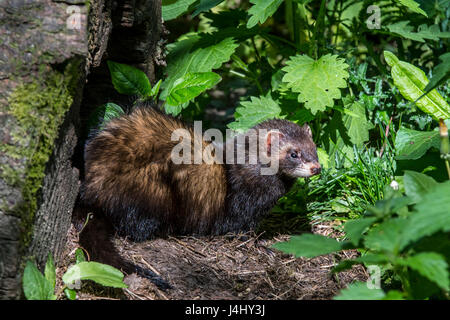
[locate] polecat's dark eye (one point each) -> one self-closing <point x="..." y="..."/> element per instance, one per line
<point x="294" y="155"/>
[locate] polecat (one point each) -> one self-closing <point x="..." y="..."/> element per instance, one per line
<point x="130" y="175"/>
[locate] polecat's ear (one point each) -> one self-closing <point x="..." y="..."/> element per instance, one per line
<point x="274" y="138"/>
<point x="307" y="129"/>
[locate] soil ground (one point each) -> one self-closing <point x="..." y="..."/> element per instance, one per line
<point x="242" y="266"/>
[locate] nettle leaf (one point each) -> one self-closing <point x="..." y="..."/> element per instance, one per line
<point x="261" y="10"/>
<point x="172" y="9"/>
<point x="190" y="86"/>
<point x="98" y="272"/>
<point x="432" y="32"/>
<point x="441" y="73"/>
<point x="205" y="5"/>
<point x="129" y="80"/>
<point x="50" y="271"/>
<point x="309" y="245"/>
<point x="413" y="6"/>
<point x="411" y="82"/>
<point x="356" y="123"/>
<point x="250" y="113"/>
<point x="35" y="285"/>
<point x="417" y="185"/>
<point x="360" y="291"/>
<point x="316" y="81"/>
<point x="185" y="57"/>
<point x="412" y="144"/>
<point x="355" y="228"/>
<point x="431" y="265"/>
<point x="386" y="237"/>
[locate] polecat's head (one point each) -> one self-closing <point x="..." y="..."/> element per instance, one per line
<point x="296" y="152"/>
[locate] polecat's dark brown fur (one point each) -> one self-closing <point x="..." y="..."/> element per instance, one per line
<point x="130" y="176"/>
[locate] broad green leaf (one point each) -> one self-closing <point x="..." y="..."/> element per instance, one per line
<point x="360" y="291"/>
<point x="413" y="6"/>
<point x="309" y="245"/>
<point x="355" y="228"/>
<point x="387" y="236"/>
<point x="35" y="285"/>
<point x="250" y="113"/>
<point x="190" y="86"/>
<point x="316" y="81"/>
<point x="50" y="271"/>
<point x="185" y="57"/>
<point x="357" y="124"/>
<point x="103" y="114"/>
<point x="412" y="144"/>
<point x="441" y="73"/>
<point x="172" y="9"/>
<point x="70" y="294"/>
<point x="411" y="82"/>
<point x="430" y="215"/>
<point x="430" y="265"/>
<point x="98" y="272"/>
<point x="79" y="256"/>
<point x="432" y="32"/>
<point x="261" y="10"/>
<point x="129" y="80"/>
<point x="205" y="5"/>
<point x="417" y="185"/>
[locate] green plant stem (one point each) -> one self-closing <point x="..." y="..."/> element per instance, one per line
<point x="447" y="165"/>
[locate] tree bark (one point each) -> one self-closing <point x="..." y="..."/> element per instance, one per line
<point x="52" y="75"/>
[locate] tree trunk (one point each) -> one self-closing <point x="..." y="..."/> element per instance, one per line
<point x="52" y="75"/>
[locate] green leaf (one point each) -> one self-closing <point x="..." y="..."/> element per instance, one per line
<point x="261" y="10"/>
<point x="250" y="113"/>
<point x="417" y="185"/>
<point x="185" y="57"/>
<point x="411" y="82"/>
<point x="190" y="86"/>
<point x="205" y="5"/>
<point x="394" y="295"/>
<point x="387" y="236"/>
<point x="98" y="272"/>
<point x="70" y="294"/>
<point x="309" y="245"/>
<point x="360" y="291"/>
<point x="355" y="228"/>
<point x="35" y="285"/>
<point x="412" y="144"/>
<point x="155" y="90"/>
<point x="79" y="256"/>
<point x="103" y="114"/>
<point x="432" y="32"/>
<point x="430" y="265"/>
<point x="356" y="123"/>
<point x="172" y="9"/>
<point x="441" y="73"/>
<point x="129" y="80"/>
<point x="413" y="6"/>
<point x="50" y="271"/>
<point x="316" y="81"/>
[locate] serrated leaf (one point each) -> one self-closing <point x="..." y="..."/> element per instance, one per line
<point x="250" y="113"/>
<point x="413" y="6"/>
<point x="355" y="228"/>
<point x="98" y="272"/>
<point x="185" y="57"/>
<point x="103" y="114"/>
<point x="356" y="123"/>
<point x="261" y="10"/>
<point x="205" y="5"/>
<point x="441" y="73"/>
<point x="387" y="236"/>
<point x="360" y="291"/>
<point x="50" y="271"/>
<point x="129" y="80"/>
<point x="432" y="32"/>
<point x="172" y="9"/>
<point x="309" y="245"/>
<point x="417" y="185"/>
<point x="430" y="265"/>
<point x="190" y="86"/>
<point x="411" y="82"/>
<point x="411" y="144"/>
<point x="367" y="259"/>
<point x="35" y="285"/>
<point x="316" y="81"/>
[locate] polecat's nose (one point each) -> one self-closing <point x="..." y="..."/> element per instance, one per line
<point x="316" y="170"/>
